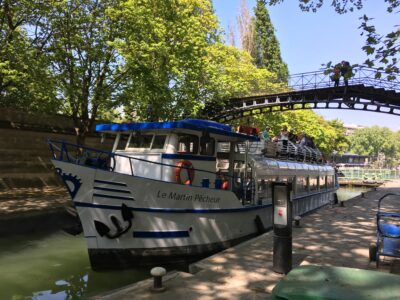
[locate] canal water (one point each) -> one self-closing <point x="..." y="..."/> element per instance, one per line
<point x="56" y="266"/>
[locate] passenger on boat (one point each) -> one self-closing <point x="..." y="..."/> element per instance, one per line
<point x="250" y="186"/>
<point x="283" y="135"/>
<point x="282" y="141"/>
<point x="292" y="136"/>
<point x="302" y="139"/>
<point x="265" y="134"/>
<point x="310" y="142"/>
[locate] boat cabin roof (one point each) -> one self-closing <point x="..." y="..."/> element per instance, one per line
<point x="223" y="131"/>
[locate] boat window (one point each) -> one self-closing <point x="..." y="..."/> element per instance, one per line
<point x="330" y="181"/>
<point x="301" y="184"/>
<point x="158" y="142"/>
<point x="224" y="147"/>
<point x="207" y="147"/>
<point x="283" y="178"/>
<point x="265" y="188"/>
<point x="140" y="141"/>
<point x="240" y="148"/>
<point x="313" y="183"/>
<point x="322" y="182"/>
<point x="188" y="143"/>
<point x="122" y="143"/>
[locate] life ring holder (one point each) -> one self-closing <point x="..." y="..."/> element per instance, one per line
<point x="187" y="165"/>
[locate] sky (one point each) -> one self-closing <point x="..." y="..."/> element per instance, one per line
<point x="308" y="40"/>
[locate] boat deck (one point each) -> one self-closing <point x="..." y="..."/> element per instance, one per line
<point x="332" y="236"/>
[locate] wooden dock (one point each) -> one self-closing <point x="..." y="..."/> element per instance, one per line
<point x="332" y="236"/>
<point x="360" y="183"/>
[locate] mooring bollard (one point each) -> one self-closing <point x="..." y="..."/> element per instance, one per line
<point x="297" y="221"/>
<point x="158" y="273"/>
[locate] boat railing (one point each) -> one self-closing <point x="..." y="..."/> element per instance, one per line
<point x="102" y="159"/>
<point x="285" y="149"/>
<point x="282" y="149"/>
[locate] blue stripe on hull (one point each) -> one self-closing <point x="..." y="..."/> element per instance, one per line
<point x="160" y="234"/>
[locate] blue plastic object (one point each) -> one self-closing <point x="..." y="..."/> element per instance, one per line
<point x="198" y="125"/>
<point x="205" y="182"/>
<point x="388" y="234"/>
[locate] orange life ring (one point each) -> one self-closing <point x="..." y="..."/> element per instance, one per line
<point x="187" y="165"/>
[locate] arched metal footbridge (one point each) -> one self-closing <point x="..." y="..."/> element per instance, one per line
<point x="367" y="90"/>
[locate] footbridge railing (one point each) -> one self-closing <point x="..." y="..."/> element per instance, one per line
<point x="361" y="75"/>
<point x="367" y="89"/>
<point x="348" y="173"/>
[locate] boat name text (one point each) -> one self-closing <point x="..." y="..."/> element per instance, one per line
<point x="187" y="197"/>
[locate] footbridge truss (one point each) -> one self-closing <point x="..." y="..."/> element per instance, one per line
<point x="367" y="90"/>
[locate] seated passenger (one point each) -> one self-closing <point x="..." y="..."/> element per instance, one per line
<point x="292" y="136"/>
<point x="265" y="135"/>
<point x="302" y="139"/>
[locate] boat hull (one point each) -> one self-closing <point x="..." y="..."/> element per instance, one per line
<point x="171" y="222"/>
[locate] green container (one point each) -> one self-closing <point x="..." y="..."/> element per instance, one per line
<point x="337" y="283"/>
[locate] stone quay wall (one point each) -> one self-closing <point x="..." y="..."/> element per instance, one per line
<point x="24" y="151"/>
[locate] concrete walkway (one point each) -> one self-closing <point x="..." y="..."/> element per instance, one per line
<point x="24" y="211"/>
<point x="20" y="201"/>
<point x="333" y="236"/>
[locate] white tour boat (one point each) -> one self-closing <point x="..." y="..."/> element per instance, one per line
<point x="181" y="190"/>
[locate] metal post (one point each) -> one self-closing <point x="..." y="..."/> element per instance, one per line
<point x="282" y="223"/>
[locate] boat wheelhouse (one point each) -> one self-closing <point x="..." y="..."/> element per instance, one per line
<point x="180" y="190"/>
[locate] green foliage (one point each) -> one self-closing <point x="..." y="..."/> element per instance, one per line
<point x="383" y="49"/>
<point x="86" y="58"/>
<point x="375" y="140"/>
<point x="165" y="45"/>
<point x="25" y="81"/>
<point x="329" y="136"/>
<point x="341" y="6"/>
<point x="230" y="73"/>
<point x="267" y="50"/>
<point x="75" y="36"/>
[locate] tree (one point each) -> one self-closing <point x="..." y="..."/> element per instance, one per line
<point x="246" y="28"/>
<point x="76" y="36"/>
<point x="165" y="45"/>
<point x="375" y="140"/>
<point x="231" y="35"/>
<point x="25" y="81"/>
<point x="382" y="48"/>
<point x="230" y="73"/>
<point x="267" y="50"/>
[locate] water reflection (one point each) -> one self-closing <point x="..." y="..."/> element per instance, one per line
<point x="54" y="266"/>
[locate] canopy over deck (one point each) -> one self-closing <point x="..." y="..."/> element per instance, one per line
<point x="191" y="124"/>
